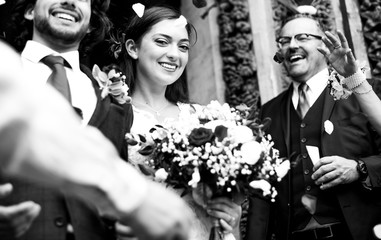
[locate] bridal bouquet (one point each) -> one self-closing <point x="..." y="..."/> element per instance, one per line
<point x="212" y="151"/>
<point x="214" y="146"/>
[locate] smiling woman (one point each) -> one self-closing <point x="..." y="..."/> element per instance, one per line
<point x="155" y="55"/>
<point x="153" y="51"/>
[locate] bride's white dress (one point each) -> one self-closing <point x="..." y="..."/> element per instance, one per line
<point x="201" y="222"/>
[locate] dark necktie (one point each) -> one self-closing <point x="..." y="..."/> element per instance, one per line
<point x="58" y="78"/>
<point x="303" y="104"/>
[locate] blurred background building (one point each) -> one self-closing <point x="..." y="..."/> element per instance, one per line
<point x="232" y="60"/>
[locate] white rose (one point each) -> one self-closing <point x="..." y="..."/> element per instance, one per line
<point x="241" y="134"/>
<point x="307" y="9"/>
<point x="251" y="152"/>
<point x="161" y="174"/>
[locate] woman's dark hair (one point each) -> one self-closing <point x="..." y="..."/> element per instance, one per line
<point x="135" y="29"/>
<point x="100" y="24"/>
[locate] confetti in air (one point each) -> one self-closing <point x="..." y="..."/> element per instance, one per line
<point x="182" y="21"/>
<point x="138" y="9"/>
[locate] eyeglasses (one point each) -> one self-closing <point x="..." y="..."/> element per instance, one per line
<point x="284" y="42"/>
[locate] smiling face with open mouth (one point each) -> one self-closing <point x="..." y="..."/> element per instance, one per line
<point x="301" y="58"/>
<point x="60" y="22"/>
<point x="162" y="53"/>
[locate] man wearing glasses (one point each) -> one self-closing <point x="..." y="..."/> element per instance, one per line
<point x="332" y="191"/>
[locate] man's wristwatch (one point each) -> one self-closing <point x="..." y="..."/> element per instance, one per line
<point x="362" y="170"/>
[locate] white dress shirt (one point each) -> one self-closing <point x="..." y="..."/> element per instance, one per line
<point x="82" y="91"/>
<point x="316" y="84"/>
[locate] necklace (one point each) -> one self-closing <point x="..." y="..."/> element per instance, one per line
<point x="156" y="111"/>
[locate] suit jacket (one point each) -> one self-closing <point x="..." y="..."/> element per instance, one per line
<point x="352" y="138"/>
<point x="113" y="120"/>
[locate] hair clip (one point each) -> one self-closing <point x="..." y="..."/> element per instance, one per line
<point x="138" y="9"/>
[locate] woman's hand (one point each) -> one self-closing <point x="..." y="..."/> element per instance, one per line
<point x="227" y="211"/>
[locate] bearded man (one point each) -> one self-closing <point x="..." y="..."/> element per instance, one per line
<point x="62" y="29"/>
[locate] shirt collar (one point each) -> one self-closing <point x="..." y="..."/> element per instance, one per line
<point x="35" y="51"/>
<point x="316" y="83"/>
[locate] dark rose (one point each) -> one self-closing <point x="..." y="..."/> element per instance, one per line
<point x="221" y="132"/>
<point x="199" y="136"/>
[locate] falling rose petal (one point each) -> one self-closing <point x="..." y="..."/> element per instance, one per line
<point x="328" y="127"/>
<point x="161" y="174"/>
<point x="181" y="21"/>
<point x="309" y="202"/>
<point x="377" y="231"/>
<point x="262" y="184"/>
<point x="138" y="9"/>
<point x="283" y="169"/>
<point x="307" y="9"/>
<point x="195" y="178"/>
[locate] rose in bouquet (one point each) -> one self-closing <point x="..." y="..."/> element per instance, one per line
<point x="214" y="148"/>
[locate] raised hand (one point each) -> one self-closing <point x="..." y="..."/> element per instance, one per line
<point x="16" y="219"/>
<point x="338" y="54"/>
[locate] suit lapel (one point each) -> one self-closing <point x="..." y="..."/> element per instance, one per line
<point x="329" y="104"/>
<point x="286" y="115"/>
<point x="103" y="105"/>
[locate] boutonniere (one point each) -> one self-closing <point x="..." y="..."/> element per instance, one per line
<point x="113" y="83"/>
<point x="337" y="89"/>
<point x="328" y="127"/>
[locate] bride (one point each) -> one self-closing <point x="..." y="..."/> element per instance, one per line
<point x="154" y="56"/>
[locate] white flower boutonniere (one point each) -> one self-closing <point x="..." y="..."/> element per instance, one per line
<point x="337" y="89"/>
<point x="112" y="82"/>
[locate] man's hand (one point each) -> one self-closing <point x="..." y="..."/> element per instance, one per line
<point x="159" y="216"/>
<point x="15" y="220"/>
<point x="334" y="170"/>
<point x="338" y="54"/>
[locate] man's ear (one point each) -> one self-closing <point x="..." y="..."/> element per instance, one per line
<point x="29" y="13"/>
<point x="131" y="48"/>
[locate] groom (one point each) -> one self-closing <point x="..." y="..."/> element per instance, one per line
<point x="63" y="28"/>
